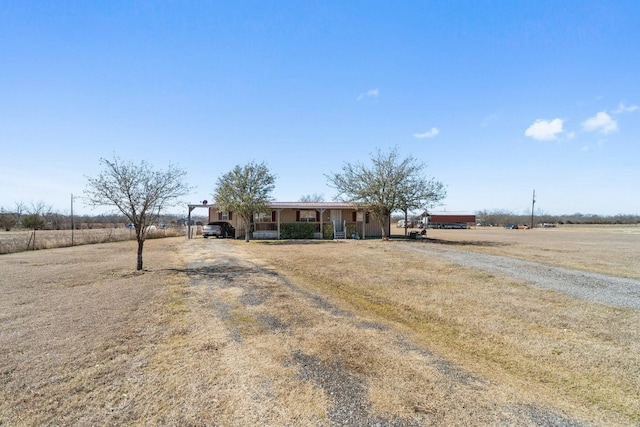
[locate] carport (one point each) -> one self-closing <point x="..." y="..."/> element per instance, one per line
<point x="203" y="204"/>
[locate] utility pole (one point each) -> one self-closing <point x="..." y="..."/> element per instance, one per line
<point x="533" y="203"/>
<point x="72" y="225"/>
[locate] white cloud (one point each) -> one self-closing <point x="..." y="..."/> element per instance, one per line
<point x="428" y="134"/>
<point x="545" y="130"/>
<point x="601" y="122"/>
<point x="489" y="119"/>
<point x="373" y="93"/>
<point x="625" y="109"/>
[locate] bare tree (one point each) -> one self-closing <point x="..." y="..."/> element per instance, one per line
<point x="33" y="221"/>
<point x="388" y="185"/>
<point x="140" y="192"/>
<point x="315" y="197"/>
<point x="56" y="220"/>
<point x="40" y="208"/>
<point x="245" y="191"/>
<point x="35" y="218"/>
<point x="7" y="219"/>
<point x="20" y="209"/>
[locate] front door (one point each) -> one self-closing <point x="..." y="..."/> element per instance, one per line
<point x="336" y="219"/>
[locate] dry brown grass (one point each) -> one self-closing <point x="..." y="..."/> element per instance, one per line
<point x="579" y="356"/>
<point x="24" y="240"/>
<point x="79" y="328"/>
<point x="608" y="249"/>
<point x="219" y="332"/>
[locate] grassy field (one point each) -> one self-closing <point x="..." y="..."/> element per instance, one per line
<point x="581" y="356"/>
<point x="608" y="249"/>
<point x="24" y="240"/>
<point x="221" y="332"/>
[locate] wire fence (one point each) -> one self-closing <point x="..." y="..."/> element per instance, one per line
<point x="26" y="240"/>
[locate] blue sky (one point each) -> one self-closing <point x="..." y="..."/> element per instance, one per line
<point x="498" y="98"/>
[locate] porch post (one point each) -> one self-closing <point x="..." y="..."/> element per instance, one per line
<point x="189" y="221"/>
<point x="278" y="221"/>
<point x="321" y="215"/>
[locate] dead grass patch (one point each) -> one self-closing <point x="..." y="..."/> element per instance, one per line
<point x="76" y="338"/>
<point x="220" y="332"/>
<point x="606" y="249"/>
<point x="26" y="240"/>
<point x="541" y="344"/>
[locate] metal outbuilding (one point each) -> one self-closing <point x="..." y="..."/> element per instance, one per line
<point x="451" y="219"/>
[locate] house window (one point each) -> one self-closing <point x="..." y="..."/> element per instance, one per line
<point x="262" y="217"/>
<point x="224" y="216"/>
<point x="307" y="216"/>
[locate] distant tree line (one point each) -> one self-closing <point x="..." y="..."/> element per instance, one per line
<point x="39" y="216"/>
<point x="505" y="217"/>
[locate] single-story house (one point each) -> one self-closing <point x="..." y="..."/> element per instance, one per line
<point x="328" y="220"/>
<point x="451" y="219"/>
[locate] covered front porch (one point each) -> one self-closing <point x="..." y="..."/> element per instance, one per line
<point x="305" y="220"/>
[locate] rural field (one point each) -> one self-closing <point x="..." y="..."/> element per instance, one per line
<point x="24" y="240"/>
<point x="321" y="333"/>
<point x="608" y="249"/>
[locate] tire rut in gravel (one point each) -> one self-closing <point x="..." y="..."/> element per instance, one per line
<point x="346" y="392"/>
<point x="605" y="289"/>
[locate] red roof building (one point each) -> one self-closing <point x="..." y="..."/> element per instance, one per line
<point x="445" y="219"/>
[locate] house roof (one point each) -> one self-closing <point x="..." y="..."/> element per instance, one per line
<point x="452" y="213"/>
<point x="312" y="205"/>
<point x="293" y="205"/>
<point x="302" y="205"/>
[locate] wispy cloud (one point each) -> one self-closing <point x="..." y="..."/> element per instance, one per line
<point x="625" y="109"/>
<point x="545" y="130"/>
<point x="489" y="119"/>
<point x="601" y="122"/>
<point x="371" y="93"/>
<point x="428" y="134"/>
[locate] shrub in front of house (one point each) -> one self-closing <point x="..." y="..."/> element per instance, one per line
<point x="302" y="230"/>
<point x="327" y="231"/>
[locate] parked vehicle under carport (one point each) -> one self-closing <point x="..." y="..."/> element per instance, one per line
<point x="218" y="229"/>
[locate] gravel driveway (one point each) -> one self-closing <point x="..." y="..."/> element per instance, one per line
<point x="255" y="288"/>
<point x="610" y="290"/>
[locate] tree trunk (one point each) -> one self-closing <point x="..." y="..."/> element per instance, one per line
<point x="384" y="220"/>
<point x="247" y="230"/>
<point x="140" y="245"/>
<point x="406" y="223"/>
